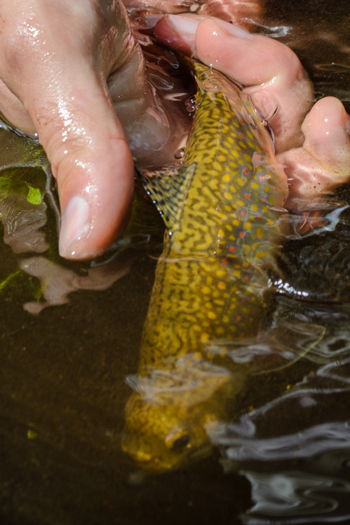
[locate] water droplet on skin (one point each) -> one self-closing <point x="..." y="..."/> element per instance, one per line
<point x="190" y="104"/>
<point x="179" y="153"/>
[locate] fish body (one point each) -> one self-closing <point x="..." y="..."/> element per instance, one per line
<point x="222" y="210"/>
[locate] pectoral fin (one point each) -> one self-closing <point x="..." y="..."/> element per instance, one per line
<point x="168" y="190"/>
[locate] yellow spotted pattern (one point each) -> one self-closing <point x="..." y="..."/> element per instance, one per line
<point x="211" y="278"/>
<point x="208" y="276"/>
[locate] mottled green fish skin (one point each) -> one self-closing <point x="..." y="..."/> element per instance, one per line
<point x="223" y="213"/>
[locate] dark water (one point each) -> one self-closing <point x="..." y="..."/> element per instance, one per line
<point x="284" y="457"/>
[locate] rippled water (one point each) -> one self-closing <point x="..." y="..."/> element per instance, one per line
<point x="70" y="336"/>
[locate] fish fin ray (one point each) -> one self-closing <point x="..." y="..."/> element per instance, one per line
<point x="168" y="189"/>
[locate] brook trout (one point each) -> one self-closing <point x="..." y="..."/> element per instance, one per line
<point x="223" y="218"/>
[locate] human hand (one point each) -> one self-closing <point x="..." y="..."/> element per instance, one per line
<point x="57" y="62"/>
<point x="311" y="141"/>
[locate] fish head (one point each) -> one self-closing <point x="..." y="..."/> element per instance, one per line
<point x="168" y="414"/>
<point x="160" y="438"/>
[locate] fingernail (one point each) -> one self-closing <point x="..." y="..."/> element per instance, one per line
<point x="185" y="25"/>
<point x="74" y="226"/>
<point x="233" y="30"/>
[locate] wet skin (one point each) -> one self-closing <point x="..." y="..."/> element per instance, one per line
<point x="312" y="141"/>
<point x="67" y="104"/>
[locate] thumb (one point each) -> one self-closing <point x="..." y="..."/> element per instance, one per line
<point x="89" y="155"/>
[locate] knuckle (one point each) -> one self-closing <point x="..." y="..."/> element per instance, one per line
<point x="17" y="43"/>
<point x="65" y="156"/>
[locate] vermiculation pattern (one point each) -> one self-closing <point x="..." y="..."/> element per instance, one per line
<point x="211" y="278"/>
<point x="223" y="227"/>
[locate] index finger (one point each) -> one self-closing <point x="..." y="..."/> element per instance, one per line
<point x="270" y="71"/>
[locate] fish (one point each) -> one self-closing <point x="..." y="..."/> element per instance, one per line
<point x="223" y="212"/>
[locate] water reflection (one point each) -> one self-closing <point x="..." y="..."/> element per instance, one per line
<point x="25" y="193"/>
<point x="300" y="492"/>
<point x="57" y="282"/>
<point x="257" y="435"/>
<point x="296" y="497"/>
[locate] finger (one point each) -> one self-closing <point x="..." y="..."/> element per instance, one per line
<point x="89" y="156"/>
<point x="233" y="49"/>
<point x="326" y="130"/>
<point x="68" y="103"/>
<point x="271" y="72"/>
<point x="322" y="163"/>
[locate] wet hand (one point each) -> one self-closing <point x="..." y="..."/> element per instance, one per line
<point x="63" y="66"/>
<point x="311" y="141"/>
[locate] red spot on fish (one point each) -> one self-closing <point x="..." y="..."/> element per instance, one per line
<point x="232" y="248"/>
<point x="244" y="300"/>
<point x="246" y="171"/>
<point x="241" y="135"/>
<point x="240" y="120"/>
<point x="263" y="200"/>
<point x="239" y="318"/>
<point x="259" y="217"/>
<point x="273" y="168"/>
<point x="262" y="178"/>
<point x="225" y="261"/>
<point x="241" y="234"/>
<point x="243" y="213"/>
<point x="275" y="189"/>
<point x="262" y="148"/>
<point x="246" y="278"/>
<point x="247" y="196"/>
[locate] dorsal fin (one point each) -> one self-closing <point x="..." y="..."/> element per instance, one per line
<point x="168" y="189"/>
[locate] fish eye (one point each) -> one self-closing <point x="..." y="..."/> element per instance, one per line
<point x="181" y="443"/>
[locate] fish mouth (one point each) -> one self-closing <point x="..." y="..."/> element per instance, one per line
<point x="155" y="464"/>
